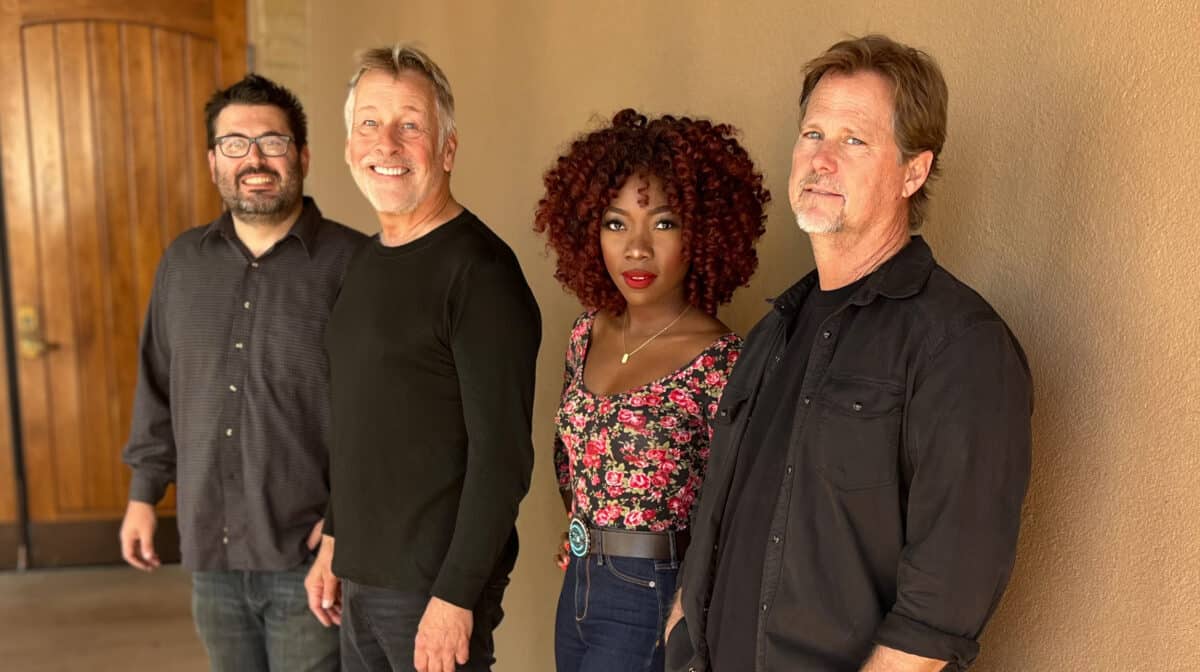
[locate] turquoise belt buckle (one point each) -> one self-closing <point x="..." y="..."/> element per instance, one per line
<point x="578" y="537"/>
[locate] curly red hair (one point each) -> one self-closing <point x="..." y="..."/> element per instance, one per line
<point x="708" y="179"/>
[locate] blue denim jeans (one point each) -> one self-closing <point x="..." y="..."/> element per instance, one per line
<point x="260" y="622"/>
<point x="611" y="614"/>
<point x="379" y="628"/>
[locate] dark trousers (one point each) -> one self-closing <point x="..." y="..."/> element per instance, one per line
<point x="611" y="614"/>
<point x="260" y="622"/>
<point x="379" y="628"/>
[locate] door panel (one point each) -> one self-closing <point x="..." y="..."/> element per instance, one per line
<point x="104" y="163"/>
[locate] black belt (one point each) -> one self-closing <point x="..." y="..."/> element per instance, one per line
<point x="630" y="544"/>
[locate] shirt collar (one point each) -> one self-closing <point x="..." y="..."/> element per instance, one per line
<point x="304" y="229"/>
<point x="900" y="277"/>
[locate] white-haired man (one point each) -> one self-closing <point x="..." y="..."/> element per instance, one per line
<point x="432" y="347"/>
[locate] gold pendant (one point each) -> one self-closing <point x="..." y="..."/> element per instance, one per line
<point x="625" y="358"/>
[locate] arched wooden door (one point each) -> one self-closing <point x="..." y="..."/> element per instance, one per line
<point x="103" y="145"/>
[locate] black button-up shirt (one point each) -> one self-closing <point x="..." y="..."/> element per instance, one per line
<point x="896" y="520"/>
<point x="232" y="395"/>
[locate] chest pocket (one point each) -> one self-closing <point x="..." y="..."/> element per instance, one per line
<point x="858" y="437"/>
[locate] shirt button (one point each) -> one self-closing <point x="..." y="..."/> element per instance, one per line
<point x="789" y="469"/>
<point x="228" y="431"/>
<point x="857" y="406"/>
<point x="650" y="585"/>
<point x="715" y="546"/>
<point x="764" y="606"/>
<point x="246" y="305"/>
<point x="233" y="388"/>
<point x="777" y="538"/>
<point x="238" y="345"/>
<point x="224" y="540"/>
<point x="807" y="401"/>
<point x="826" y="335"/>
<point x="724" y="413"/>
<point x="254" y="264"/>
<point x="777" y="358"/>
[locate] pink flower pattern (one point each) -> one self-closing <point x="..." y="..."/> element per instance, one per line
<point x="635" y="460"/>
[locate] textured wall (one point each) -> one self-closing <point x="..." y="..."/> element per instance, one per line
<point x="1068" y="199"/>
<point x="281" y="42"/>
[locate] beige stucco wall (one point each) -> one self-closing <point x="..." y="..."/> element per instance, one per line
<point x="1069" y="199"/>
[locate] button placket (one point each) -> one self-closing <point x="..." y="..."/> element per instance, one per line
<point x="236" y="372"/>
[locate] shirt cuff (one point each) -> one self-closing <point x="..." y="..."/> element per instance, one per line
<point x="911" y="636"/>
<point x="143" y="488"/>
<point x="457" y="588"/>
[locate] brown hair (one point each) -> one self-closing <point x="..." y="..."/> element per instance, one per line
<point x="919" y="98"/>
<point x="400" y="58"/>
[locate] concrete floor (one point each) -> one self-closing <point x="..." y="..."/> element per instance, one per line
<point x="105" y="618"/>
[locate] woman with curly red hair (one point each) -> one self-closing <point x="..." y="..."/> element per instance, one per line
<point x="654" y="223"/>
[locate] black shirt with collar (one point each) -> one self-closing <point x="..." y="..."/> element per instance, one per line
<point x="232" y="398"/>
<point x="896" y="517"/>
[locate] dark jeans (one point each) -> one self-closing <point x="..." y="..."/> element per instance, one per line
<point x="611" y="614"/>
<point x="379" y="626"/>
<point x="260" y="622"/>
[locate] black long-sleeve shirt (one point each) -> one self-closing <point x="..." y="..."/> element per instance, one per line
<point x="232" y="400"/>
<point x="432" y="349"/>
<point x="896" y="519"/>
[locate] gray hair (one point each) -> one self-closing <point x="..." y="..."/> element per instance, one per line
<point x="400" y="58"/>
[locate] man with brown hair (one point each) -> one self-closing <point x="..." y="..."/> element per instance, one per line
<point x="432" y="346"/>
<point x="872" y="447"/>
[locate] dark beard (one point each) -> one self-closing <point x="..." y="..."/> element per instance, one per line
<point x="265" y="211"/>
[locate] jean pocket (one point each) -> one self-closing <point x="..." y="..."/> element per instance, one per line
<point x="634" y="571"/>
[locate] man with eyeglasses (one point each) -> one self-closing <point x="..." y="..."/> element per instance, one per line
<point x="232" y="394"/>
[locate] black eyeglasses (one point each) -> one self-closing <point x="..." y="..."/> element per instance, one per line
<point x="237" y="146"/>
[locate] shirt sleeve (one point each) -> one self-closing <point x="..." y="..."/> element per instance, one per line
<point x="495" y="334"/>
<point x="150" y="452"/>
<point x="968" y="440"/>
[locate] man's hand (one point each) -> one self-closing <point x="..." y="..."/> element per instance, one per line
<point x="885" y="659"/>
<point x="443" y="637"/>
<point x="322" y="587"/>
<point x="137" y="536"/>
<point x="675" y="616"/>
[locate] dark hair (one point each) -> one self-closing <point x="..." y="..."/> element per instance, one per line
<point x="257" y="90"/>
<point x="708" y="179"/>
<point x="919" y="92"/>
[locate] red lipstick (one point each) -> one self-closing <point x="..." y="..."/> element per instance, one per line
<point x="638" y="279"/>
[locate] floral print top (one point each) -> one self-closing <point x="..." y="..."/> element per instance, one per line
<point x="635" y="460"/>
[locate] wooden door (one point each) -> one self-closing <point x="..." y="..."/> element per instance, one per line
<point x="103" y="144"/>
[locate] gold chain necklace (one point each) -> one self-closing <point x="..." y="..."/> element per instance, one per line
<point x="625" y="326"/>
